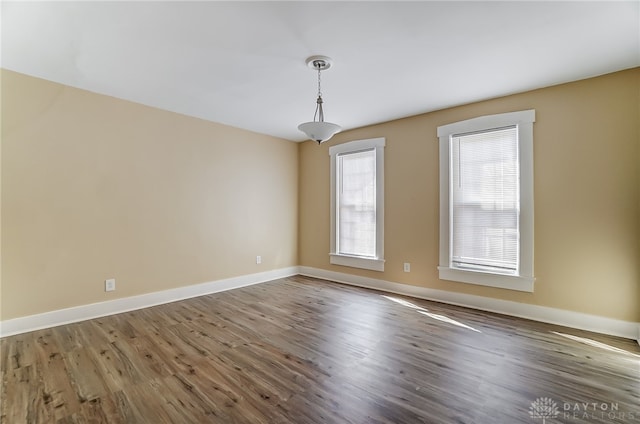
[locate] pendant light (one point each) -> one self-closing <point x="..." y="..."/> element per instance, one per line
<point x="319" y="130"/>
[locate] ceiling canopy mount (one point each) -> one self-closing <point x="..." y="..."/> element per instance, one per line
<point x="321" y="63"/>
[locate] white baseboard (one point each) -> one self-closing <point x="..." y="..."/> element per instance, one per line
<point x="116" y="306"/>
<point x="630" y="330"/>
<point x="597" y="324"/>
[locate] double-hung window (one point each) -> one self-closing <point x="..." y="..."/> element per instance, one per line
<point x="357" y="204"/>
<point x="486" y="201"/>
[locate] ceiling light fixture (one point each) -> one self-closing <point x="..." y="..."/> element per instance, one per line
<point x="319" y="130"/>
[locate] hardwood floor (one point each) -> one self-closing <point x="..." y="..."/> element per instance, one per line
<point x="301" y="350"/>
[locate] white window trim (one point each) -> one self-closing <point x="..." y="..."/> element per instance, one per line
<point x="524" y="281"/>
<point x="376" y="263"/>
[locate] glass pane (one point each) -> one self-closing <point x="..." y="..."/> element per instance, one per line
<point x="485" y="200"/>
<point x="357" y="203"/>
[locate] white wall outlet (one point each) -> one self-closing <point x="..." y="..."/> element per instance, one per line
<point x="407" y="267"/>
<point x="110" y="284"/>
<point x="258" y="260"/>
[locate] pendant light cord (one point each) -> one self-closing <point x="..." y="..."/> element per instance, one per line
<point x="319" y="112"/>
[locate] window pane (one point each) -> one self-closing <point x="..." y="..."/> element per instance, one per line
<point x="485" y="200"/>
<point x="357" y="203"/>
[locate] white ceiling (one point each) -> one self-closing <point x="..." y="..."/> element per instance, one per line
<point x="243" y="63"/>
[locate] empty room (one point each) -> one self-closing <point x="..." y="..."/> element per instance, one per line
<point x="307" y="212"/>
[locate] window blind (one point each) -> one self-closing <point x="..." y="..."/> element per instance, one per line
<point x="357" y="203"/>
<point x="485" y="200"/>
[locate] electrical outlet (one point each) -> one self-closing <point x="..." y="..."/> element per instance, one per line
<point x="110" y="285"/>
<point x="407" y="267"/>
<point x="258" y="260"/>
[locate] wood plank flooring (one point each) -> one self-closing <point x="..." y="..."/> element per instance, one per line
<point x="300" y="350"/>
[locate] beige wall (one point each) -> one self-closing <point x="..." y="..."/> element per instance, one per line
<point x="587" y="196"/>
<point x="95" y="188"/>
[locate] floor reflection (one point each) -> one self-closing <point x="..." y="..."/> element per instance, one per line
<point x="425" y="312"/>
<point x="595" y="343"/>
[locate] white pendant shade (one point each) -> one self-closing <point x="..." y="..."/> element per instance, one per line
<point x="319" y="131"/>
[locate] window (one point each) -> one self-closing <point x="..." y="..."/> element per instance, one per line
<point x="357" y="204"/>
<point x="486" y="201"/>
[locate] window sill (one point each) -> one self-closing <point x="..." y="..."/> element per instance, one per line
<point x="357" y="262"/>
<point x="510" y="282"/>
